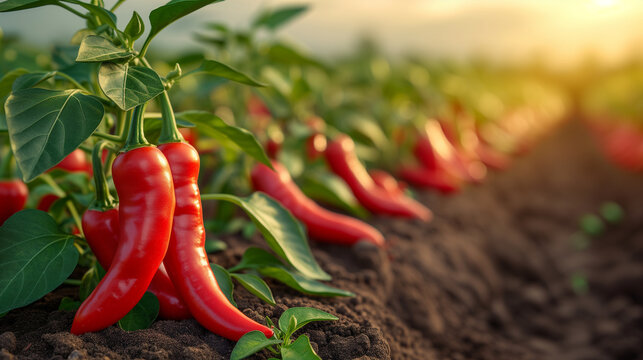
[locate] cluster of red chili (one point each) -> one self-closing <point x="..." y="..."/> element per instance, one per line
<point x="154" y="240"/>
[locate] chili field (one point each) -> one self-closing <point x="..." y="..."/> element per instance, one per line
<point x="250" y="199"/>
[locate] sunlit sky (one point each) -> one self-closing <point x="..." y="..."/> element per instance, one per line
<point x="557" y="31"/>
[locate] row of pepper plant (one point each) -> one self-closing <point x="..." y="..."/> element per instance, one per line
<point x="335" y="133"/>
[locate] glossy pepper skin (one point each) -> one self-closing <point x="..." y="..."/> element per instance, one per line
<point x="144" y="185"/>
<point x="76" y="161"/>
<point x="101" y="229"/>
<point x="186" y="260"/>
<point x="321" y="224"/>
<point x="13" y="196"/>
<point x="341" y="158"/>
<point x="387" y="182"/>
<point x="426" y="178"/>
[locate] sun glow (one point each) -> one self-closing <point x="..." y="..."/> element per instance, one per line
<point x="605" y="3"/>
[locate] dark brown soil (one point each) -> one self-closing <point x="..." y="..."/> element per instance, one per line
<point x="497" y="275"/>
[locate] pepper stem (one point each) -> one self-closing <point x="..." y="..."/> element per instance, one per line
<point x="135" y="135"/>
<point x="169" y="131"/>
<point x="104" y="199"/>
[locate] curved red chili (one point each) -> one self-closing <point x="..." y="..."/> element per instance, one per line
<point x="315" y="146"/>
<point x="46" y="201"/>
<point x="186" y="260"/>
<point x="387" y="182"/>
<point x="426" y="178"/>
<point x="341" y="158"/>
<point x="143" y="181"/>
<point x="321" y="224"/>
<point x="13" y="196"/>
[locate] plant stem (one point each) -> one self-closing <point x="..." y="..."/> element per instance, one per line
<point x="70" y="204"/>
<point x="118" y="3"/>
<point x="110" y="137"/>
<point x="5" y="167"/>
<point x="224" y="197"/>
<point x="73" y="81"/>
<point x="135" y="135"/>
<point x="169" y="132"/>
<point x="104" y="199"/>
<point x="74" y="11"/>
<point x="74" y="282"/>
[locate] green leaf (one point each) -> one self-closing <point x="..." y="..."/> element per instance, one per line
<point x="221" y="70"/>
<point x="303" y="316"/>
<point x="98" y="49"/>
<point x="142" y="315"/>
<point x="255" y="258"/>
<point x="7" y="80"/>
<point x="213" y="246"/>
<point x="47" y="125"/>
<point x="275" y="18"/>
<point x="88" y="283"/>
<point x="68" y="304"/>
<point x="129" y="86"/>
<point x="35" y="258"/>
<point x="224" y="281"/>
<point x="215" y="127"/>
<point x="135" y="27"/>
<point x="328" y="188"/>
<point x="281" y="230"/>
<point x="299" y="350"/>
<point x="251" y="343"/>
<point x="302" y="283"/>
<point x="255" y="285"/>
<point x="172" y="11"/>
<point x="30" y="80"/>
<point x="15" y="5"/>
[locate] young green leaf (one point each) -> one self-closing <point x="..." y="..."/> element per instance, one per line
<point x="302" y="283"/>
<point x="224" y="281"/>
<point x="169" y="13"/>
<point x="216" y="68"/>
<point x="35" y="258"/>
<point x="129" y="86"/>
<point x="135" y="27"/>
<point x="329" y="189"/>
<point x="213" y="126"/>
<point x="303" y="316"/>
<point x="280" y="229"/>
<point x="251" y="343"/>
<point x="299" y="350"/>
<point x="213" y="246"/>
<point x="255" y="258"/>
<point x="275" y="18"/>
<point x="98" y="49"/>
<point x="15" y="5"/>
<point x="142" y="315"/>
<point x="31" y="79"/>
<point x="88" y="283"/>
<point x="68" y="304"/>
<point x="46" y="125"/>
<point x="255" y="285"/>
<point x="6" y="82"/>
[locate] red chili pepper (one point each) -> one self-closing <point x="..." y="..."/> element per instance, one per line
<point x="272" y="148"/>
<point x="340" y="156"/>
<point x="46" y="201"/>
<point x="190" y="135"/>
<point x="76" y="161"/>
<point x="13" y="196"/>
<point x="387" y="182"/>
<point x="426" y="178"/>
<point x="143" y="181"/>
<point x="186" y="260"/>
<point x="323" y="225"/>
<point x="315" y="146"/>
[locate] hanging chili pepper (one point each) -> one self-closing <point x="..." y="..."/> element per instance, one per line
<point x="315" y="146"/>
<point x="341" y="158"/>
<point x="13" y="196"/>
<point x="101" y="228"/>
<point x="321" y="224"/>
<point x="76" y="161"/>
<point x="186" y="260"/>
<point x="46" y="201"/>
<point x="144" y="185"/>
<point x="425" y="178"/>
<point x="13" y="192"/>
